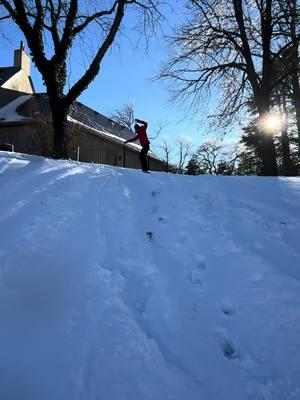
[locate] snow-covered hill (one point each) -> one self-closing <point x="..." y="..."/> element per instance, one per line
<point x="120" y="285"/>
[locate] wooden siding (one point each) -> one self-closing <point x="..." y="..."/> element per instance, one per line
<point x="36" y="138"/>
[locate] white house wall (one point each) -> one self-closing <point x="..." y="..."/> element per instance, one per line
<point x="19" y="82"/>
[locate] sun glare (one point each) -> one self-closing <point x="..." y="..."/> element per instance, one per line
<point x="271" y="122"/>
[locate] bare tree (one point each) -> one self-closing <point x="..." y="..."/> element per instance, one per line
<point x="175" y="155"/>
<point x="56" y="24"/>
<point x="124" y="116"/>
<point x="288" y="169"/>
<point x="3" y="16"/>
<point x="166" y="150"/>
<point x="208" y="157"/>
<point x="184" y="146"/>
<point x="289" y="58"/>
<point x="294" y="22"/>
<point x="231" y="45"/>
<point x="216" y="158"/>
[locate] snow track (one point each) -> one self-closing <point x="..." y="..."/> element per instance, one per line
<point x="120" y="285"/>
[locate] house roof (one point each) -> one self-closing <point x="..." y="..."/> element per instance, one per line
<point x="95" y="120"/>
<point x="29" y="107"/>
<point x="10" y="111"/>
<point x="38" y="103"/>
<point x="6" y="73"/>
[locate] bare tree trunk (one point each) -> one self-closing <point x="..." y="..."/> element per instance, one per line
<point x="167" y="150"/>
<point x="286" y="156"/>
<point x="296" y="103"/>
<point x="269" y="156"/>
<point x="167" y="165"/>
<point x="60" y="129"/>
<point x="285" y="146"/>
<point x="268" y="151"/>
<point x="261" y="92"/>
<point x="295" y="64"/>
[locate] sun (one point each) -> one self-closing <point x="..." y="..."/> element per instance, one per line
<point x="271" y="122"/>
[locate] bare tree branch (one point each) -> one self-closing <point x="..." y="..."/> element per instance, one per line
<point x="61" y="23"/>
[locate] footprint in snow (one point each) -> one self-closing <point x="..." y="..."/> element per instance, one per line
<point x="227" y="308"/>
<point x="227" y="347"/>
<point x="199" y="261"/>
<point x="150" y="236"/>
<point x="196" y="275"/>
<point x="195" y="278"/>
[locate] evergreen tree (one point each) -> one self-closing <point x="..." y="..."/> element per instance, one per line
<point x="192" y="167"/>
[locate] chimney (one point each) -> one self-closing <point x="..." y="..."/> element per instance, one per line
<point x="22" y="60"/>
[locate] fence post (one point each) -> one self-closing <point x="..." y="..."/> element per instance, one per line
<point x="78" y="153"/>
<point x="124" y="154"/>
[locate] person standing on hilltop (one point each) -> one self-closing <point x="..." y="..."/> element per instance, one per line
<point x="141" y="135"/>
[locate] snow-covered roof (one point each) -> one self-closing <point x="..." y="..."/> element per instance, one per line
<point x="98" y="121"/>
<point x="9" y="112"/>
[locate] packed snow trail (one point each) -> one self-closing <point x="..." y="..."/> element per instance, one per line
<point x="119" y="285"/>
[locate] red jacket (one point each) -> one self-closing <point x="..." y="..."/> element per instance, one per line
<point x="141" y="134"/>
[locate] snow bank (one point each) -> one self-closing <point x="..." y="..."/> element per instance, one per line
<point x="119" y="285"/>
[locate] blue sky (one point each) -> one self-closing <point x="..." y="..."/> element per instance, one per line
<point x="126" y="77"/>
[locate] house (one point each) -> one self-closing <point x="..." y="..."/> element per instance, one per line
<point x="25" y="122"/>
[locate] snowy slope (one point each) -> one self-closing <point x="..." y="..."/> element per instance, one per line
<point x="118" y="285"/>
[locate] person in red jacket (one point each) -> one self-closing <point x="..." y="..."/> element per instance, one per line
<point x="141" y="134"/>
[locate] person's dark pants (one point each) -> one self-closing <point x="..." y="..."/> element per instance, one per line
<point x="143" y="157"/>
